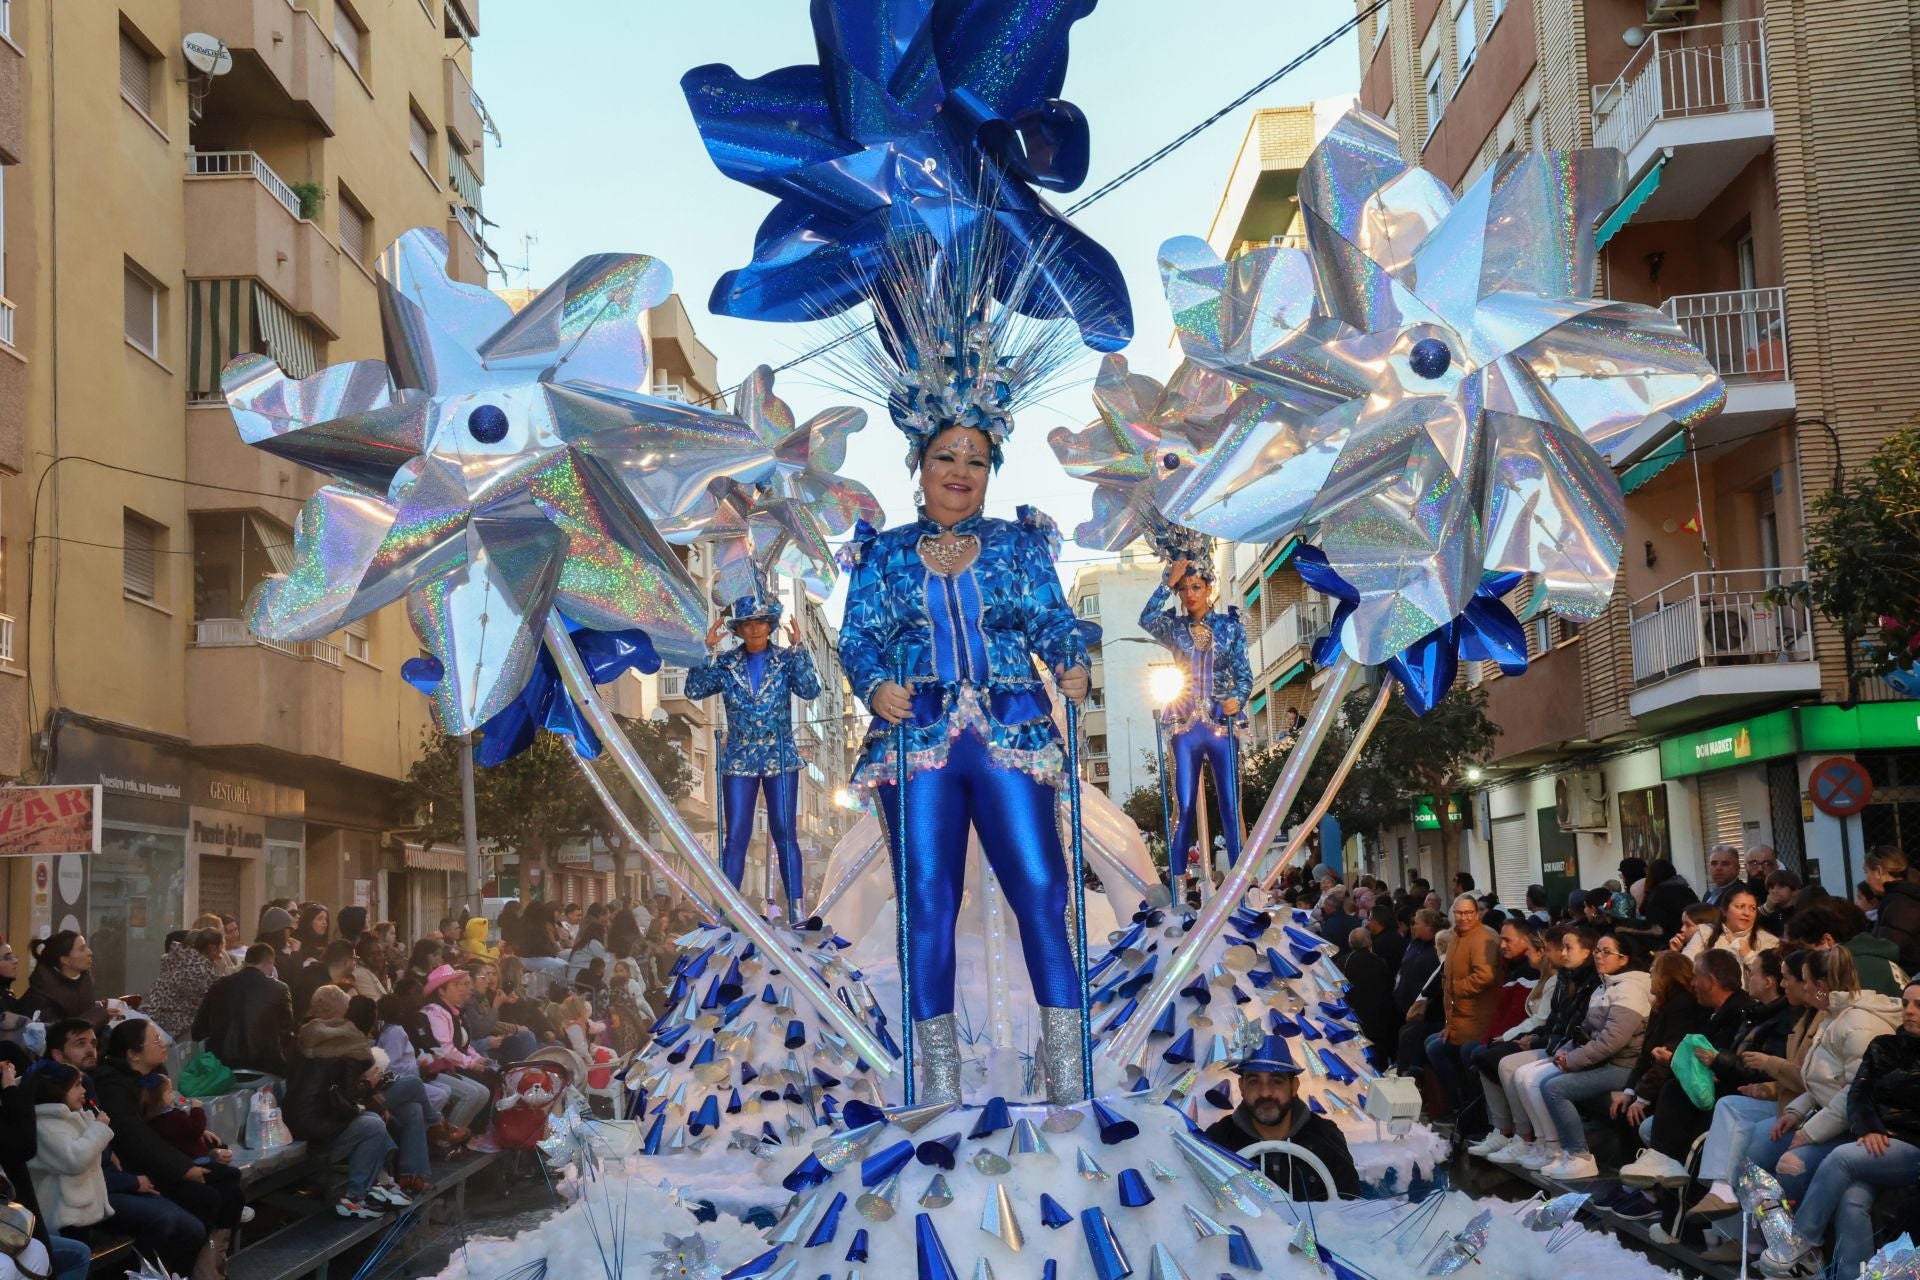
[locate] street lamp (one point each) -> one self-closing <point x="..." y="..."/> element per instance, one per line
<point x="1167" y="682"/>
<point x="844" y="797"/>
<point x="1474" y="773"/>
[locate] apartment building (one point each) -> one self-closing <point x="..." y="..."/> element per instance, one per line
<point x="1769" y="154"/>
<point x="1119" y="714"/>
<point x="157" y="222"/>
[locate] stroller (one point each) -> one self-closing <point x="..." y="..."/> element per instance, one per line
<point x="534" y="1090"/>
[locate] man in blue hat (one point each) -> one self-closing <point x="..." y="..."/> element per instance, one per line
<point x="1271" y="1110"/>
<point x="758" y="682"/>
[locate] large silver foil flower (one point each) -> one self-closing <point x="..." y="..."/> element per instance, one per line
<point x="1431" y="385"/>
<point x="495" y="467"/>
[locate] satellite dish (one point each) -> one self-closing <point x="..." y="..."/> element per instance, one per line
<point x="207" y="54"/>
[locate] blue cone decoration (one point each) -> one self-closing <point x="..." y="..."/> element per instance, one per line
<point x="1198" y="991"/>
<point x="1260" y="979"/>
<point x="808" y="1173"/>
<point x="886" y="1041"/>
<point x="1101" y="965"/>
<point x="1239" y="996"/>
<point x="707" y="1117"/>
<point x="747" y="1074"/>
<point x="705" y="1055"/>
<point x="736" y="1007"/>
<point x="1142" y="1085"/>
<point x="1282" y="967"/>
<point x="1307" y="1028"/>
<point x="1282" y="1025"/>
<point x="1340" y="1032"/>
<point x="730" y="986"/>
<point x="1313" y="1105"/>
<point x="796" y="1034"/>
<point x="758" y="1267"/>
<point x="1050" y="1270"/>
<point x="1337" y="1067"/>
<point x="1181" y="1050"/>
<point x="934" y="1264"/>
<point x="768" y="1136"/>
<point x="677" y="991"/>
<point x="1134" y="1192"/>
<point x="993" y="1118"/>
<point x="1240" y="1251"/>
<point x="829" y="1105"/>
<point x="792" y="1094"/>
<point x="1114" y="1127"/>
<point x="938" y="1152"/>
<point x="698" y="967"/>
<point x="711" y="1000"/>
<point x="1138" y="982"/>
<point x="823" y="1079"/>
<point x="860" y="1113"/>
<point x="1127" y="1011"/>
<point x="768" y="996"/>
<point x="733" y="1103"/>
<point x="883" y="1164"/>
<point x="1109" y="1259"/>
<point x="857" y="1251"/>
<point x="652" y="1144"/>
<point x="1164" y="1027"/>
<point x="829" y="1222"/>
<point x="1051" y="1214"/>
<point x="1220" y="1096"/>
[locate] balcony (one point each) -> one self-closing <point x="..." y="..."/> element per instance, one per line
<point x="282" y="60"/>
<point x="217" y="456"/>
<point x="465" y="116"/>
<point x="245" y="224"/>
<point x="1744" y="334"/>
<point x="1288" y="640"/>
<point x="251" y="693"/>
<point x="463" y="20"/>
<point x="1540" y="714"/>
<point x="673" y="683"/>
<point x="1712" y="643"/>
<point x="678" y="355"/>
<point x="463" y="235"/>
<point x="1697" y="98"/>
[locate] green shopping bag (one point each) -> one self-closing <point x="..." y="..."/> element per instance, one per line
<point x="205" y="1076"/>
<point x="1695" y="1076"/>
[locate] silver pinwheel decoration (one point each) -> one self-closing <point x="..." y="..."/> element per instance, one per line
<point x="496" y="467"/>
<point x="1442" y="389"/>
<point x="691" y="1257"/>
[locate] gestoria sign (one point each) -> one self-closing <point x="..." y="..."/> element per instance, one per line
<point x="47" y="821"/>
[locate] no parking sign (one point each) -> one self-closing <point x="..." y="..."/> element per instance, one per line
<point x="1840" y="787"/>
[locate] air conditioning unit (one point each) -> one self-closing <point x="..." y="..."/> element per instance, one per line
<point x="1581" y="799"/>
<point x="1667" y="12"/>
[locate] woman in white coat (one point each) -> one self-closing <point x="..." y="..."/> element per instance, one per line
<point x="67" y="1177"/>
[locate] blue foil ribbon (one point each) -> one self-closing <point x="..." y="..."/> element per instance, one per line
<point x="1103" y="1246"/>
<point x="930" y="1252"/>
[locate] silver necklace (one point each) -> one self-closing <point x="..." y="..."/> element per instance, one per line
<point x="944" y="558"/>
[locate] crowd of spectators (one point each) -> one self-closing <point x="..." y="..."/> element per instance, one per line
<point x="1757" y="1018"/>
<point x="383" y="1051"/>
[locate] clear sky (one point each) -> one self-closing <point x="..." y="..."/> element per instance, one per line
<point x="600" y="154"/>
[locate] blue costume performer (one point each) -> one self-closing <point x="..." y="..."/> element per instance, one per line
<point x="758" y="681"/>
<point x="1211" y="648"/>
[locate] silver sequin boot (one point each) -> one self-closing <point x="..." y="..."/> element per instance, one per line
<point x="936" y="1042"/>
<point x="1060" y="1055"/>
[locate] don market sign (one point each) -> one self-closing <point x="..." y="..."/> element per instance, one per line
<point x="1729" y="746"/>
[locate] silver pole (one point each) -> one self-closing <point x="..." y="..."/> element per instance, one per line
<point x="471" y="891"/>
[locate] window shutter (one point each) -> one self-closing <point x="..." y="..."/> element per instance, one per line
<point x="136" y="73"/>
<point x="346" y="37"/>
<point x="137" y="573"/>
<point x="1720" y="808"/>
<point x="1512" y="864"/>
<point x="353" y="232"/>
<point x="420" y="140"/>
<point x="141" y="299"/>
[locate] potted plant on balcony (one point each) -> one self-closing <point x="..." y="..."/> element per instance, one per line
<point x="311" y="195"/>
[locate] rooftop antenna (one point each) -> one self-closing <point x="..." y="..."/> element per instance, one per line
<point x="527" y="241"/>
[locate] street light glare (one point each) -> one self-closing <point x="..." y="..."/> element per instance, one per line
<point x="1167" y="682"/>
<point x="1473" y="773"/>
<point x="843" y="797"/>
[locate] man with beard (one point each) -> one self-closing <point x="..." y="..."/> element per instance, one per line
<point x="1271" y="1110"/>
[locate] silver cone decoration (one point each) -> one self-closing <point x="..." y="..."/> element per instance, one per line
<point x="839" y="1151"/>
<point x="796" y="1224"/>
<point x="1163" y="1267"/>
<point x="1161" y="1173"/>
<point x="913" y="1119"/>
<point x="878" y="1205"/>
<point x="938" y="1194"/>
<point x="982" y="1269"/>
<point x="996" y="1218"/>
<point x="1063" y="1119"/>
<point x="991" y="1163"/>
<point x="1028" y="1142"/>
<point x="1204" y="1227"/>
<point x="1089" y="1167"/>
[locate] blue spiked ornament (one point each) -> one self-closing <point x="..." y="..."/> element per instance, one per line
<point x="930" y="1252"/>
<point x="1103" y="1246"/>
<point x="1283" y="968"/>
<point x="707" y="1117"/>
<point x="829" y="1224"/>
<point x="938" y="1151"/>
<point x="808" y="1173"/>
<point x="1181" y="1050"/>
<point x="882" y="1164"/>
<point x="857" y="1251"/>
<point x="658" y="1130"/>
<point x="733" y="1102"/>
<point x="1134" y="1192"/>
<point x="796" y="1033"/>
<point x="1240" y="1250"/>
<point x="1051" y="1214"/>
<point x="993" y="1118"/>
<point x="1220" y="1096"/>
<point x="1164" y="1026"/>
<point x="1114" y="1127"/>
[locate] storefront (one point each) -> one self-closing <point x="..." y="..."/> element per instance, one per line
<point x="1620" y="807"/>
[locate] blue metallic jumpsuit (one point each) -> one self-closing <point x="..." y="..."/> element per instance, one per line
<point x="1212" y="652"/>
<point x="758" y="690"/>
<point x="982" y="751"/>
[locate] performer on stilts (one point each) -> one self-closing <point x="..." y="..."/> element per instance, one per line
<point x="968" y="603"/>
<point x="1204" y="722"/>
<point x="757" y="681"/>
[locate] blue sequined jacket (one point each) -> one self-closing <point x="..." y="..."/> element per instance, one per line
<point x="969" y="643"/>
<point x="1213" y="675"/>
<point x="759" y="721"/>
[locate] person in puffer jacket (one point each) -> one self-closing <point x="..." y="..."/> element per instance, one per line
<point x="1884" y="1116"/>
<point x="1575" y="984"/>
<point x="1816" y="1124"/>
<point x="1608" y="1044"/>
<point x="68" y="1178"/>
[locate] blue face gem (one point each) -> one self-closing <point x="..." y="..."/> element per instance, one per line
<point x="1430" y="358"/>
<point x="488" y="424"/>
<point x="1171" y="462"/>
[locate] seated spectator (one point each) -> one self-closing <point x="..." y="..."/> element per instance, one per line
<point x="185" y="1126"/>
<point x="1668" y="895"/>
<point x="246" y="1019"/>
<point x="276" y="931"/>
<point x="1336" y="922"/>
<point x="1884" y="1118"/>
<point x="1674" y="1012"/>
<point x="1737" y="930"/>
<point x="494" y="1036"/>
<point x="413" y="1116"/>
<point x="1369" y="989"/>
<point x="187" y="973"/>
<point x="353" y="924"/>
<point x="453" y="935"/>
<point x="394" y="1034"/>
<point x="1597" y="1061"/>
<point x="1496" y="1061"/>
<point x="1815" y="1124"/>
<point x="514" y="1005"/>
<point x="370" y="967"/>
<point x="1271" y="1110"/>
<point x="626" y="932"/>
<point x="1389" y="942"/>
<point x="473" y="941"/>
<point x="1696" y="921"/>
<point x="1899" y="920"/>
<point x="1537" y="904"/>
<point x="330" y="1100"/>
<point x="424" y="958"/>
<point x="578" y="1029"/>
<point x="62" y="981"/>
<point x="15" y="1011"/>
<point x="135" y="1049"/>
<point x="629" y="1014"/>
<point x="333" y="968"/>
<point x="1754" y="1078"/>
<point x="1718" y="990"/>
<point x="1470" y="993"/>
<point x="69" y="1181"/>
<point x="1782" y="885"/>
<point x="469" y="1075"/>
<point x="1832" y="923"/>
<point x="1418" y="967"/>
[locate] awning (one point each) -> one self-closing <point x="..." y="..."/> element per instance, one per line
<point x="465" y="181"/>
<point x="288" y="339"/>
<point x="1654" y="463"/>
<point x="419" y="858"/>
<point x="1259" y="701"/>
<point x="1279" y="561"/>
<point x="1253" y="595"/>
<point x="1636" y="199"/>
<point x="1287" y="676"/>
<point x="226" y="318"/>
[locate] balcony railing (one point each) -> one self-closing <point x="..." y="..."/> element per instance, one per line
<point x="671" y="391"/>
<point x="232" y="633"/>
<point x="6" y="321"/>
<point x="1744" y="332"/>
<point x="6" y="638"/>
<point x="673" y="682"/>
<point x="238" y="164"/>
<point x="1682" y="72"/>
<point x="1719" y="619"/>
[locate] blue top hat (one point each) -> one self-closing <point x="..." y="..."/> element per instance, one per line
<point x="1272" y="1058"/>
<point x="764" y="607"/>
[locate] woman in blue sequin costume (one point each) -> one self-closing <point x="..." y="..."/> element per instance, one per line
<point x="964" y="606"/>
<point x="1211" y="649"/>
<point x="758" y="681"/>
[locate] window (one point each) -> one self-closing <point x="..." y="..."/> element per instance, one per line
<point x="1381" y="21"/>
<point x="350" y="38"/>
<point x="1436" y="103"/>
<point x="1466" y="39"/>
<point x="139" y="543"/>
<point x="358" y="644"/>
<point x="143" y="311"/>
<point x="1536" y="137"/>
<point x="1542" y="638"/>
<point x="1090" y="606"/>
<point x="356" y="228"/>
<point x="1097" y="744"/>
<point x="136" y="73"/>
<point x="1499" y="7"/>
<point x="420" y="138"/>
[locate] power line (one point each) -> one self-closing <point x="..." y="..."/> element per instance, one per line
<point x="1129" y="174"/>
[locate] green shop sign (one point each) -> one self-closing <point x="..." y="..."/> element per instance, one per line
<point x="1869" y="726"/>
<point x="1730" y="745"/>
<point x="1424" y="818"/>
